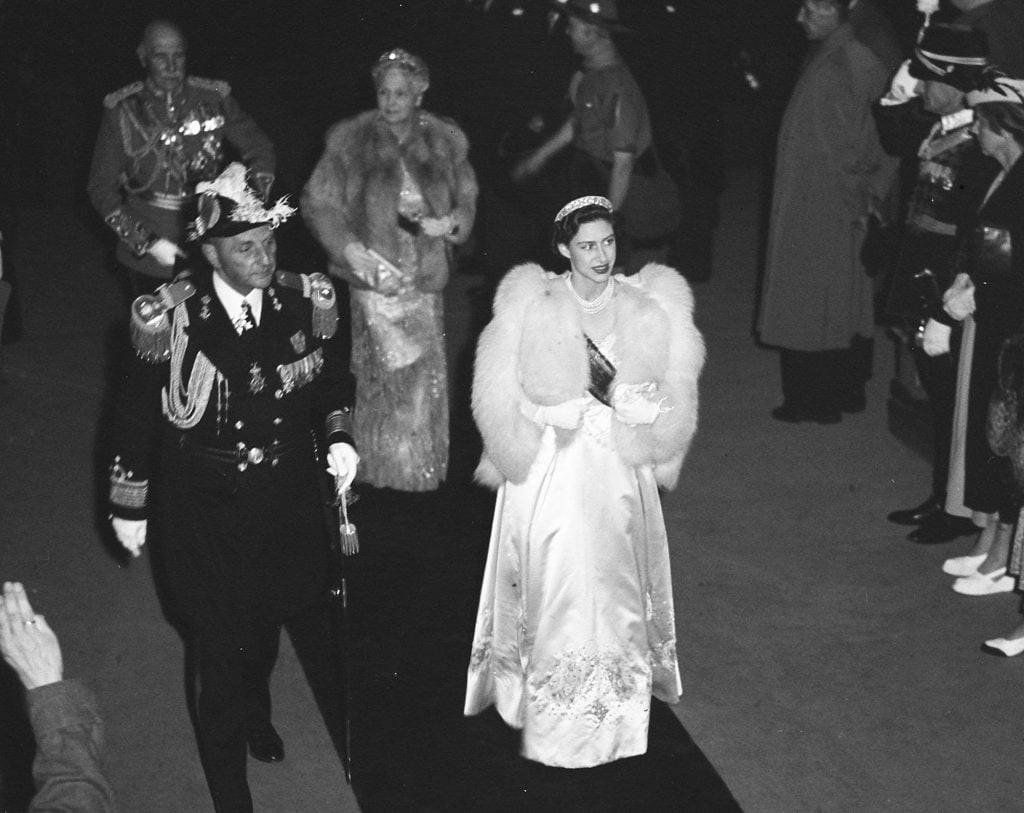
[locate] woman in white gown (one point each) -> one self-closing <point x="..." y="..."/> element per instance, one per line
<point x="585" y="393"/>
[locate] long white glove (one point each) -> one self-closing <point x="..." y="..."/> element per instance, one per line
<point x="342" y="462"/>
<point x="633" y="405"/>
<point x="935" y="340"/>
<point x="566" y="415"/>
<point x="958" y="300"/>
<point x="903" y="87"/>
<point x="165" y="252"/>
<point x="131" y="533"/>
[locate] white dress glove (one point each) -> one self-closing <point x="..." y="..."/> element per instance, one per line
<point x="165" y="252"/>
<point x="437" y="226"/>
<point x="903" y="87"/>
<point x="342" y="462"/>
<point x="958" y="300"/>
<point x="633" y="405"/>
<point x="935" y="340"/>
<point x="566" y="415"/>
<point x="131" y="533"/>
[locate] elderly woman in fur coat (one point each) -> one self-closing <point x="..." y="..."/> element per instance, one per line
<point x="390" y="196"/>
<point x="585" y="392"/>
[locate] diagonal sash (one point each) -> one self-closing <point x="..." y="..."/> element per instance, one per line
<point x="602" y="373"/>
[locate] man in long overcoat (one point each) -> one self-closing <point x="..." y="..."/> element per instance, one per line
<point x="830" y="174"/>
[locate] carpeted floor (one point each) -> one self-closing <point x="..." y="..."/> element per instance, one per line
<point x="412" y="601"/>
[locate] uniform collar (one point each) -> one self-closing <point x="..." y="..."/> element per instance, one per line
<point x="232" y="300"/>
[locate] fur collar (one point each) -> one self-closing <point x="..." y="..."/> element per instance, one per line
<point x="533" y="352"/>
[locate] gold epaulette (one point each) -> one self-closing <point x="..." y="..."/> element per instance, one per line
<point x="150" y="325"/>
<point x="319" y="289"/>
<point x="112" y="100"/>
<point x="218" y="86"/>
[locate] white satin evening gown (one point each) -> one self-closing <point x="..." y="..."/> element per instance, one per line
<point x="576" y="627"/>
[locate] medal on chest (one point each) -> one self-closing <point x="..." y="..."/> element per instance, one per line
<point x="257" y="381"/>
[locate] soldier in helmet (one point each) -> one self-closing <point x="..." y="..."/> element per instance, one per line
<point x="240" y="377"/>
<point x="159" y="137"/>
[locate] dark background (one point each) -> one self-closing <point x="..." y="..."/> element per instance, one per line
<point x="298" y="66"/>
<point x="716" y="74"/>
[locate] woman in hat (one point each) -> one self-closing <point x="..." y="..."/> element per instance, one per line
<point x="988" y="296"/>
<point x="390" y="197"/>
<point x="585" y="393"/>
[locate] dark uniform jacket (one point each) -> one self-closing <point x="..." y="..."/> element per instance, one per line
<point x="233" y="488"/>
<point x="946" y="179"/>
<point x="151" y="152"/>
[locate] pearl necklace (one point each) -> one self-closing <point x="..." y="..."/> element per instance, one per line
<point x="598" y="303"/>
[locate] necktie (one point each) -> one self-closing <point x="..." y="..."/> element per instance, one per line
<point x="245" y="321"/>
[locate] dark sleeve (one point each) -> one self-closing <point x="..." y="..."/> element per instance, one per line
<point x="135" y="422"/>
<point x="69" y="745"/>
<point x="108" y="165"/>
<point x="902" y="127"/>
<point x="336" y="393"/>
<point x="254" y="146"/>
<point x="627" y="119"/>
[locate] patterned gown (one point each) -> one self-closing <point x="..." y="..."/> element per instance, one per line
<point x="398" y="358"/>
<point x="576" y="627"/>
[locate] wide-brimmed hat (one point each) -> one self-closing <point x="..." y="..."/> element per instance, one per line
<point x="602" y="13"/>
<point x="955" y="55"/>
<point x="227" y="206"/>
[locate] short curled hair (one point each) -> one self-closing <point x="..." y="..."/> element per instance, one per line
<point x="1003" y="117"/>
<point x="565" y="229"/>
<point x="401" y="60"/>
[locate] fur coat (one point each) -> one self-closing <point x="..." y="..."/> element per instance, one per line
<point x="353" y="193"/>
<point x="533" y="351"/>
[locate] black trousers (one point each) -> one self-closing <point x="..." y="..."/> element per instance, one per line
<point x="233" y="699"/>
<point x="938" y="378"/>
<point x="827" y="380"/>
<point x="234" y="694"/>
<point x="238" y="554"/>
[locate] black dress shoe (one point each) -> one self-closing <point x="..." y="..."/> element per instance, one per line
<point x="942" y="528"/>
<point x="265" y="744"/>
<point x="917" y="514"/>
<point x="787" y="413"/>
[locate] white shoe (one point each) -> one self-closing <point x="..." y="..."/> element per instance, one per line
<point x="963" y="565"/>
<point x="1009" y="647"/>
<point x="985" y="584"/>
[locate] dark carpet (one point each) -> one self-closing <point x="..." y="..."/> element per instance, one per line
<point x="412" y="593"/>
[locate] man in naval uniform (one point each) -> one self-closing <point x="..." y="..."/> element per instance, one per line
<point x="158" y="139"/>
<point x="240" y="378"/>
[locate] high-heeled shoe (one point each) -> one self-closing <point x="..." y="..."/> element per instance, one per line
<point x="985" y="584"/>
<point x="963" y="565"/>
<point x="1004" y="647"/>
